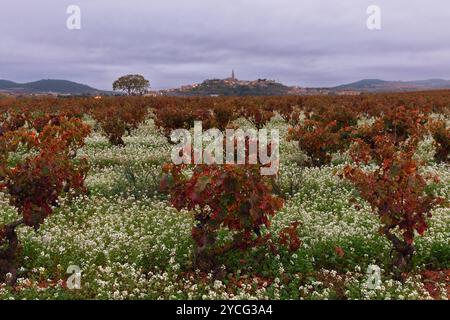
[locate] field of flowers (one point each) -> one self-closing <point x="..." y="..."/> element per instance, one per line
<point x="130" y="243"/>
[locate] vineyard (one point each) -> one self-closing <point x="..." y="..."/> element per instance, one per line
<point x="359" y="208"/>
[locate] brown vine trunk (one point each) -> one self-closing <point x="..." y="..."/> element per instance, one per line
<point x="402" y="260"/>
<point x="9" y="253"/>
<point x="117" y="141"/>
<point x="204" y="257"/>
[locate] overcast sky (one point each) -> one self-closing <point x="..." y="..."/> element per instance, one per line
<point x="175" y="42"/>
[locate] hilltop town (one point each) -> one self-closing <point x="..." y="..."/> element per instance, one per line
<point x="232" y="86"/>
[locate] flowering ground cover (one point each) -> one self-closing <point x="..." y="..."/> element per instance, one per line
<point x="130" y="243"/>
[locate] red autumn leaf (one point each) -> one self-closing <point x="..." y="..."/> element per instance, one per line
<point x="339" y="251"/>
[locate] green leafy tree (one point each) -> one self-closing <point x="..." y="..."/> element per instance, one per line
<point x="132" y="84"/>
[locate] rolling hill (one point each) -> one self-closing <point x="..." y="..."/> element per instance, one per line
<point x="377" y="85"/>
<point x="232" y="87"/>
<point x="48" y="86"/>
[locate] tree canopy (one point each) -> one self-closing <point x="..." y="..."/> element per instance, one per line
<point x="132" y="84"/>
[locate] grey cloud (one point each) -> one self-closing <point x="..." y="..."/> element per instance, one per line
<point x="173" y="42"/>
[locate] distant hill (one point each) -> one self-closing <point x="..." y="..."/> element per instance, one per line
<point x="48" y="86"/>
<point x="377" y="85"/>
<point x="7" y="84"/>
<point x="231" y="87"/>
<point x="264" y="87"/>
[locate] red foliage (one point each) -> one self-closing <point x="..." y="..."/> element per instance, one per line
<point x="35" y="183"/>
<point x="234" y="197"/>
<point x="339" y="251"/>
<point x="117" y="116"/>
<point x="441" y="136"/>
<point x="324" y="133"/>
<point x="397" y="192"/>
<point x="391" y="129"/>
<point x="288" y="237"/>
<point x="258" y="115"/>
